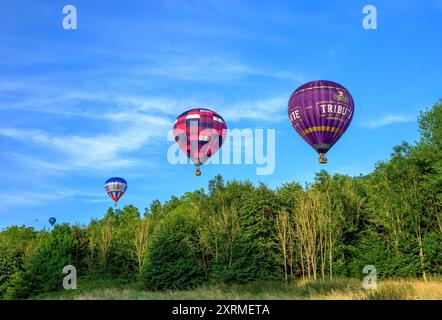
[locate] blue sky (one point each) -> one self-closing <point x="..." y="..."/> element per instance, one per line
<point x="79" y="106"/>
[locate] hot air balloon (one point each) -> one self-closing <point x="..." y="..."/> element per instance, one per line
<point x="52" y="221"/>
<point x="321" y="111"/>
<point x="199" y="133"/>
<point x="115" y="188"/>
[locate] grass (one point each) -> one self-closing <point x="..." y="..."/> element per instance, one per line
<point x="339" y="289"/>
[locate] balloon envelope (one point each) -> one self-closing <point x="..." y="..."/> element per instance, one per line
<point x="199" y="133"/>
<point x="115" y="188"/>
<point x="52" y="221"/>
<point x="321" y="111"/>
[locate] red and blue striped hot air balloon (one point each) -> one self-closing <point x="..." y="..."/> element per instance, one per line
<point x="115" y="188"/>
<point x="321" y="111"/>
<point x="199" y="133"/>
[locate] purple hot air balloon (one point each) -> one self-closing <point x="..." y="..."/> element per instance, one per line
<point x="321" y="111"/>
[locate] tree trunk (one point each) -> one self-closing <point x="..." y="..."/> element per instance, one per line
<point x="330" y="258"/>
<point x="421" y="253"/>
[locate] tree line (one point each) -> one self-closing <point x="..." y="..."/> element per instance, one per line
<point x="236" y="231"/>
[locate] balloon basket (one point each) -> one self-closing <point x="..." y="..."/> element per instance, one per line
<point x="322" y="159"/>
<point x="198" y="172"/>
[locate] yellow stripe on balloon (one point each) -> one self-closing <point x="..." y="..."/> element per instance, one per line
<point x="321" y="128"/>
<point x="320" y="87"/>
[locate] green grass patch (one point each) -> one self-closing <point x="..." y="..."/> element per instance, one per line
<point x="337" y="289"/>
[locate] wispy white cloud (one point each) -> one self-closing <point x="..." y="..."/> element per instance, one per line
<point x="271" y="109"/>
<point x="267" y="109"/>
<point x="208" y="68"/>
<point x="388" y="120"/>
<point x="133" y="124"/>
<point x="165" y="105"/>
<point x="20" y="198"/>
<point x="102" y="151"/>
<point x="77" y="103"/>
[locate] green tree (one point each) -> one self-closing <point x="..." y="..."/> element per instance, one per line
<point x="43" y="270"/>
<point x="171" y="258"/>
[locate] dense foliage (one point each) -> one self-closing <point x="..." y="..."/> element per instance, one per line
<point x="237" y="232"/>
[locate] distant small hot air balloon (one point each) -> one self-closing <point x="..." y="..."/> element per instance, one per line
<point x="115" y="188"/>
<point x="199" y="133"/>
<point x="52" y="221"/>
<point x="321" y="111"/>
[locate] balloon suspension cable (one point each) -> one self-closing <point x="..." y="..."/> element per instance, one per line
<point x="322" y="158"/>
<point x="198" y="172"/>
<point x="115" y="204"/>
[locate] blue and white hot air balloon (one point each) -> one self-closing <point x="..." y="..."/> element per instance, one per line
<point x="115" y="188"/>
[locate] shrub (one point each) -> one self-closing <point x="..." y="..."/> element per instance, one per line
<point x="43" y="271"/>
<point x="171" y="262"/>
<point x="9" y="264"/>
<point x="15" y="244"/>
